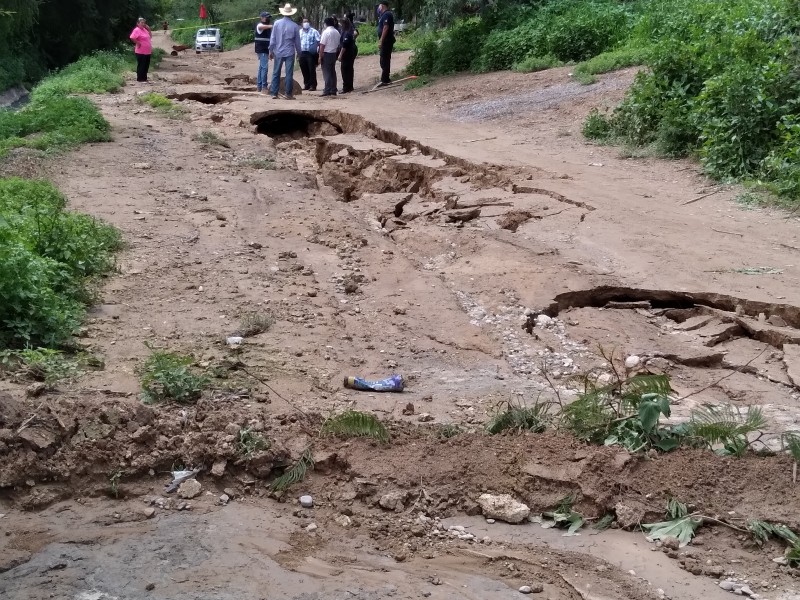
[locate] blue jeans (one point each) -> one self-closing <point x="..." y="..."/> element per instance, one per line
<point x="261" y="77"/>
<point x="276" y="74"/>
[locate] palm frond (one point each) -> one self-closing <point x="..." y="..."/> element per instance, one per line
<point x="763" y="530"/>
<point x="792" y="443"/>
<point x="604" y="523"/>
<point x="641" y="385"/>
<point x="718" y="424"/>
<point x="294" y="474"/>
<point x="353" y="423"/>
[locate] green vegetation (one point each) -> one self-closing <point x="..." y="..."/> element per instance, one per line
<point x="250" y="442"/>
<point x="46" y="365"/>
<point x="168" y="377"/>
<point x="162" y="104"/>
<point x="295" y="473"/>
<point x="113" y="483"/>
<point x="353" y="423"/>
<point x="514" y="417"/>
<point x="49" y="258"/>
<point x="721" y="84"/>
<point x="38" y="36"/>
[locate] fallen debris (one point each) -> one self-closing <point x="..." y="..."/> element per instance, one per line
<point x="503" y="507"/>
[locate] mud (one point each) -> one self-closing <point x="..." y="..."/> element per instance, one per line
<point x="380" y="246"/>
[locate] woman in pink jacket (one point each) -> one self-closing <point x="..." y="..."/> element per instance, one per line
<point x="141" y="36"/>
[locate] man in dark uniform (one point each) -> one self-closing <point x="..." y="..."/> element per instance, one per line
<point x="263" y="31"/>
<point x="385" y="41"/>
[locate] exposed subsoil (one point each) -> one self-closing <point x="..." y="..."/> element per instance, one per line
<point x="385" y="235"/>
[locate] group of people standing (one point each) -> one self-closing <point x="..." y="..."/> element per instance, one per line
<point x="284" y="40"/>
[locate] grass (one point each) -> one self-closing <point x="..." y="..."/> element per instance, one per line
<point x="55" y="119"/>
<point x="168" y="377"/>
<point x="211" y="139"/>
<point x="295" y="473"/>
<point x="162" y="104"/>
<point x="353" y="423"/>
<point x="417" y="83"/>
<point x="261" y="164"/>
<point x="537" y="63"/>
<point x="513" y="417"/>
<point x="613" y="61"/>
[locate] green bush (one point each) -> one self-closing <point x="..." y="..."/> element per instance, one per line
<point x="97" y="73"/>
<point x="48" y="257"/>
<point x="614" y="60"/>
<point x="723" y="84"/>
<point x="597" y="126"/>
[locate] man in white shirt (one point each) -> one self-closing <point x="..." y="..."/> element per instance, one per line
<point x="328" y="49"/>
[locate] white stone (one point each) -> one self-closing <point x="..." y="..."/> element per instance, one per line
<point x="393" y="500"/>
<point x="311" y="527"/>
<point x="234" y="340"/>
<point x="190" y="488"/>
<point x="543" y="320"/>
<point x="632" y="362"/>
<point x="343" y="521"/>
<point x="490" y="521"/>
<point x="726" y="585"/>
<point x="525" y="589"/>
<point x="224" y="499"/>
<point x="503" y="507"/>
<point x="781" y="560"/>
<point x="746" y="590"/>
<point x="306" y="501"/>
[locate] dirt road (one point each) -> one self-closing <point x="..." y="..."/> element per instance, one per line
<point x="411" y="232"/>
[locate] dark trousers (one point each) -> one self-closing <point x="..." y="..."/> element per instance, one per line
<point x="308" y="65"/>
<point x="386" y="60"/>
<point x="142" y="66"/>
<point x="348" y="60"/>
<point x="329" y="72"/>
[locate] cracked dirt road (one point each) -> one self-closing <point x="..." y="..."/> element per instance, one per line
<point x="353" y="221"/>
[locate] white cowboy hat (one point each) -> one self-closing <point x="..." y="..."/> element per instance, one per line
<point x="287" y="10"/>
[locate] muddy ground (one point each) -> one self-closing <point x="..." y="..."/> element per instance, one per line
<point x="411" y="232"/>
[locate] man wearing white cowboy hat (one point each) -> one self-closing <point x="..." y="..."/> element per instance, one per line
<point x="283" y="47"/>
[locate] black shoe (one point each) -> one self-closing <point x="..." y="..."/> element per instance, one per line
<point x="384" y="83"/>
<point x="312" y="89"/>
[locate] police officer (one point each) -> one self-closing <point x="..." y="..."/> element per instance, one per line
<point x="263" y="31"/>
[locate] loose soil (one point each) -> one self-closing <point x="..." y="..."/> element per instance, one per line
<point x="417" y="232"/>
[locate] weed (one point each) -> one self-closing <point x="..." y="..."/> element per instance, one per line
<point x="514" y="417"/>
<point x="162" y="104"/>
<point x="295" y="473"/>
<point x="537" y="63"/>
<point x="250" y="442"/>
<point x="613" y="60"/>
<point x="563" y="516"/>
<point x="262" y="164"/>
<point x="255" y="323"/>
<point x="597" y="126"/>
<point x="113" y="483"/>
<point x="604" y="523"/>
<point x="353" y="423"/>
<point x="43" y="364"/>
<point x="584" y="78"/>
<point x="212" y="139"/>
<point x="167" y="377"/>
<point x="417" y="83"/>
<point x="448" y="431"/>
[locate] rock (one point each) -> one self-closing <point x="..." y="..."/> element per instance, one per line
<point x="776" y="321"/>
<point x="632" y="362"/>
<point x="781" y="560"/>
<point x="218" y="468"/>
<point x="537" y="588"/>
<point x="37" y="438"/>
<point x="234" y="340"/>
<point x="149" y="512"/>
<point x="671" y="542"/>
<point x="693" y="323"/>
<point x="471" y="509"/>
<point x="715" y="571"/>
<point x="343" y="521"/>
<point x="393" y="501"/>
<point x="232" y="429"/>
<point x="409" y="409"/>
<point x="224" y="499"/>
<point x="727" y="585"/>
<point x="35" y="389"/>
<point x="306" y="501"/>
<point x="791" y="358"/>
<point x="142" y="165"/>
<point x="525" y="589"/>
<point x="150" y="587"/>
<point x="543" y="320"/>
<point x="230" y="492"/>
<point x="425" y="418"/>
<point x="189" y="489"/>
<point x="746" y="590"/>
<point x="503" y="507"/>
<point x="311" y="527"/>
<point x="490" y="521"/>
<point x="630" y="513"/>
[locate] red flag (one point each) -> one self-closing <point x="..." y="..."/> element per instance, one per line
<point x="203" y="13"/>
